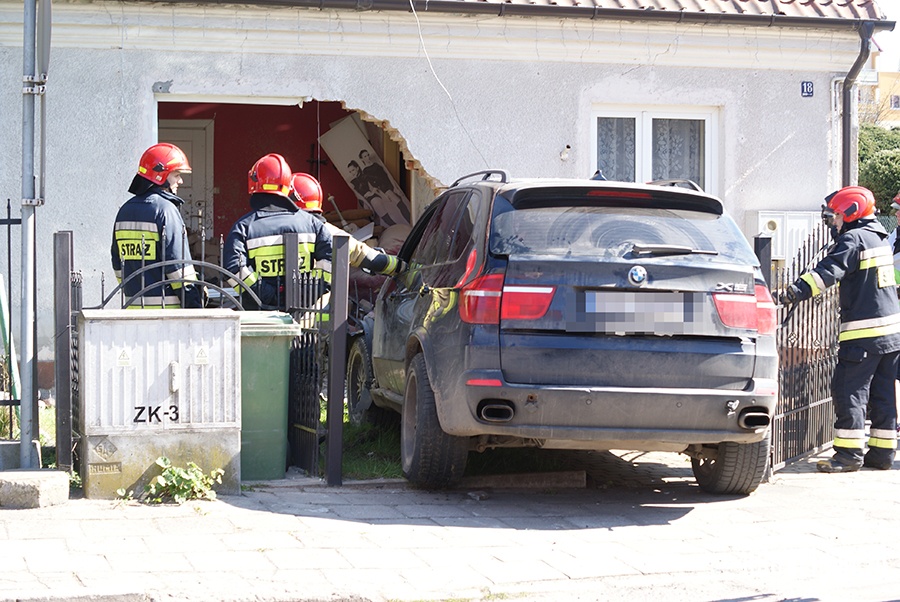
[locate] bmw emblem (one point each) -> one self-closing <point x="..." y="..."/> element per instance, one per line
<point x="637" y="275"/>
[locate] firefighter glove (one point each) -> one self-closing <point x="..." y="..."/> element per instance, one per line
<point x="790" y="295"/>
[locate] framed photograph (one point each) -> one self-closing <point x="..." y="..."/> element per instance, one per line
<point x="362" y="169"/>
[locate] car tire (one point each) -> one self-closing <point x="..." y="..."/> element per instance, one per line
<point x="360" y="407"/>
<point x="736" y="468"/>
<point x="430" y="458"/>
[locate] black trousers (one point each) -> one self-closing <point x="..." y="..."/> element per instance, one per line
<point x="863" y="383"/>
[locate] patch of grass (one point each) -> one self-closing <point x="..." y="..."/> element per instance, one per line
<point x="371" y="452"/>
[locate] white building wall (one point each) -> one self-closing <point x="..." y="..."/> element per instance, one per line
<point x="480" y="92"/>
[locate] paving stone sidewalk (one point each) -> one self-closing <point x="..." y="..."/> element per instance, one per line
<point x="640" y="530"/>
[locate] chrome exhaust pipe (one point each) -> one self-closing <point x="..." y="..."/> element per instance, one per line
<point x="496" y="411"/>
<point x="754" y="420"/>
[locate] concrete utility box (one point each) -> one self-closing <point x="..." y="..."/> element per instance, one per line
<point x="157" y="383"/>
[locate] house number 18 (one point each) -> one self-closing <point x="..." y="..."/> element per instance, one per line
<point x="806" y="89"/>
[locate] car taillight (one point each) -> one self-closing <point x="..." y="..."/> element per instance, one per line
<point x="486" y="300"/>
<point x="479" y="300"/>
<point x="736" y="311"/>
<point x="525" y="302"/>
<point x="743" y="311"/>
<point x="766" y="312"/>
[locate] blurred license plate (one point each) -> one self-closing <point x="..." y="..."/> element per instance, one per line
<point x="628" y="312"/>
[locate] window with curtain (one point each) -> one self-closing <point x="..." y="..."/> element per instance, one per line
<point x="639" y="146"/>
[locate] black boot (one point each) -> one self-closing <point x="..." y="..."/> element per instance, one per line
<point x="879" y="461"/>
<point x="836" y="465"/>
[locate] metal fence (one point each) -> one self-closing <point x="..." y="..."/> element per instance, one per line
<point x="10" y="390"/>
<point x="807" y="349"/>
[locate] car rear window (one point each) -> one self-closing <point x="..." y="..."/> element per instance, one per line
<point x="613" y="231"/>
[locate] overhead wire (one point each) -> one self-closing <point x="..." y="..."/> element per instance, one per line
<point x="441" y="84"/>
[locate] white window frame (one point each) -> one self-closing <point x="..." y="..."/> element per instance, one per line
<point x="895" y="101"/>
<point x="644" y="116"/>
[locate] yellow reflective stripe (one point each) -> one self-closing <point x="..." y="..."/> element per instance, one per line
<point x="875" y="262"/>
<point x="882" y="443"/>
<point x="137" y="235"/>
<point x="849" y="443"/>
<point x="276" y="188"/>
<point x="810" y="278"/>
<point x="250" y="280"/>
<point x="871" y="328"/>
<point x="270" y="251"/>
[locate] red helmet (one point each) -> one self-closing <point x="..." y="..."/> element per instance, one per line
<point x="853" y="202"/>
<point x="270" y="174"/>
<point x="306" y="192"/>
<point x="160" y="160"/>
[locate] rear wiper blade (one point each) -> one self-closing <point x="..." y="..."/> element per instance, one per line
<point x="669" y="250"/>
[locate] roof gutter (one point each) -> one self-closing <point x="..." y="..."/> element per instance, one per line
<point x="865" y="34"/>
<point x="503" y="9"/>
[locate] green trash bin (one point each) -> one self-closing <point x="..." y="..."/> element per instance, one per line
<point x="265" y="373"/>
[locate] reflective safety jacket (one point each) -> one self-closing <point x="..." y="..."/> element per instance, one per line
<point x="149" y="229"/>
<point x="254" y="250"/>
<point x="862" y="261"/>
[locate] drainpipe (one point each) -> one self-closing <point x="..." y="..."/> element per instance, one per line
<point x="26" y="401"/>
<point x="865" y="34"/>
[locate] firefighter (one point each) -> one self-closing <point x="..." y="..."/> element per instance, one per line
<point x="869" y="340"/>
<point x="149" y="229"/>
<point x="254" y="249"/>
<point x="894" y="240"/>
<point x="306" y="192"/>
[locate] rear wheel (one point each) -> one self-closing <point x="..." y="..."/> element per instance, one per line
<point x="732" y="468"/>
<point x="360" y="407"/>
<point x="430" y="457"/>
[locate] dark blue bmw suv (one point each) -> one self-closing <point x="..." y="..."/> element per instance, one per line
<point x="573" y="314"/>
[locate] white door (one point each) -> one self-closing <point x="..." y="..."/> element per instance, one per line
<point x="195" y="138"/>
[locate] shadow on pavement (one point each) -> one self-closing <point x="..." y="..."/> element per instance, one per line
<point x="622" y="489"/>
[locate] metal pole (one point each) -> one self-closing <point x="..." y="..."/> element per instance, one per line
<point x="762" y="246"/>
<point x="62" y="294"/>
<point x="337" y="357"/>
<point x="26" y="423"/>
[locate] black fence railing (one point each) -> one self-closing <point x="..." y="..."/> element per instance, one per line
<point x="10" y="393"/>
<point x="807" y="349"/>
